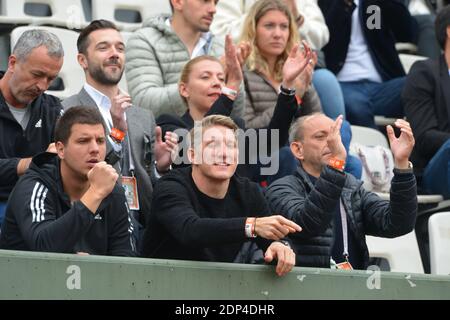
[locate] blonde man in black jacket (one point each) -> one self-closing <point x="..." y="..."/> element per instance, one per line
<point x="206" y="212"/>
<point x="331" y="206"/>
<point x="427" y="105"/>
<point x="27" y="114"/>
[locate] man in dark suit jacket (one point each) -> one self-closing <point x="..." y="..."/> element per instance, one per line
<point x="135" y="145"/>
<point x="361" y="52"/>
<point x="426" y="97"/>
<point x="27" y="114"/>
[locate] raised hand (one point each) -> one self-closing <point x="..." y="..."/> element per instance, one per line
<point x="233" y="68"/>
<point x="102" y="178"/>
<point x="295" y="64"/>
<point x="402" y="146"/>
<point x="119" y="105"/>
<point x="165" y="151"/>
<point x="334" y="141"/>
<point x="283" y="254"/>
<point x="275" y="227"/>
<point x="51" y="148"/>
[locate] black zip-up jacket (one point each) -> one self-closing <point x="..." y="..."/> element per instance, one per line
<point x="312" y="207"/>
<point x="426" y="97"/>
<point x="40" y="217"/>
<point x="15" y="143"/>
<point x="396" y="25"/>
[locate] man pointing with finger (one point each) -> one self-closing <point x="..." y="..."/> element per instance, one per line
<point x="331" y="206"/>
<point x="70" y="202"/>
<point x="205" y="212"/>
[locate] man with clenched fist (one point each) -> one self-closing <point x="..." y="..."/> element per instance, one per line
<point x="70" y="202"/>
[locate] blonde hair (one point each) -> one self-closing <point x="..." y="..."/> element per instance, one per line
<point x="256" y="61"/>
<point x="189" y="66"/>
<point x="208" y="122"/>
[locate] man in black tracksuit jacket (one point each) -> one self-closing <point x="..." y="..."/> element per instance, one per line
<point x="27" y="114"/>
<point x="55" y="211"/>
<point x="312" y="196"/>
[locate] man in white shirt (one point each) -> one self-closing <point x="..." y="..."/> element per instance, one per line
<point x="157" y="52"/>
<point x="361" y="52"/>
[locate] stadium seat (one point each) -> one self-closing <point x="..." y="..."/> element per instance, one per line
<point x="439" y="233"/>
<point x="67" y="13"/>
<point x="142" y="9"/>
<point x="368" y="136"/>
<point x="406" y="47"/>
<point x="71" y="73"/>
<point x="390" y="248"/>
<point x="123" y="82"/>
<point x="409" y="59"/>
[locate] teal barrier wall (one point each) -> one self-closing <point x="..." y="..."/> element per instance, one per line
<point x="34" y="275"/>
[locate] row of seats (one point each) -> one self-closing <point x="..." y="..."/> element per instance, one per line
<point x="76" y="14"/>
<point x="402" y="253"/>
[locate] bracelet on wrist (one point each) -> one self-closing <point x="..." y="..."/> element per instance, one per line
<point x="407" y="170"/>
<point x="250" y="228"/>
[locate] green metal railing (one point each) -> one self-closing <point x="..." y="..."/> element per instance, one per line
<point x="35" y="275"/>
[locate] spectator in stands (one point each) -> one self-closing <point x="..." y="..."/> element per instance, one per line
<point x="304" y="16"/>
<point x="27" y="114"/>
<point x="271" y="30"/>
<point x="70" y="202"/>
<point x="157" y="52"/>
<point x="202" y="86"/>
<point x="362" y="54"/>
<point x="138" y="153"/>
<point x="332" y="207"/>
<point x="205" y="212"/>
<point x="427" y="105"/>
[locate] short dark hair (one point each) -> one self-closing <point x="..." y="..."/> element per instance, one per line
<point x="171" y="5"/>
<point x="83" y="41"/>
<point x="441" y="24"/>
<point x="76" y="115"/>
